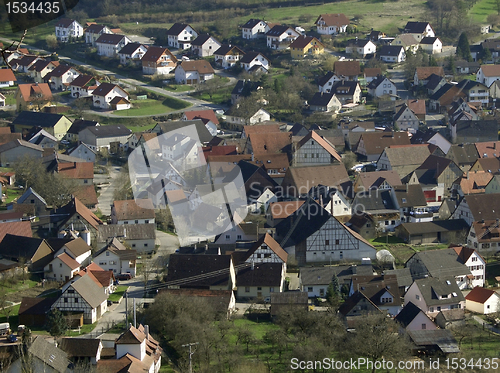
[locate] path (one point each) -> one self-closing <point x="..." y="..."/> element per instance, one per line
<point x="105" y="199"/>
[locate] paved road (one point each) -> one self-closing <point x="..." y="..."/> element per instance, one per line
<point x="398" y="77"/>
<point x="105" y="199"/>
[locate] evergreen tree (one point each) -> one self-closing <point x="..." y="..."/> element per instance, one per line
<point x="56" y="323"/>
<point x="463" y="48"/>
<point x="486" y="55"/>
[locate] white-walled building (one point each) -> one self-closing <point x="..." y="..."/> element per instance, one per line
<point x="483" y="301"/>
<point x="68" y="28"/>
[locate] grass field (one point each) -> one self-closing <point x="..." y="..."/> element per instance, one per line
<point x="178" y="87"/>
<point x="12" y="194"/>
<point x="482" y="9"/>
<point x="118" y="294"/>
<point x="152" y="107"/>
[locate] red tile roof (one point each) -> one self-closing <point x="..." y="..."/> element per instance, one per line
<point x="479" y="295"/>
<point x="6" y="75"/>
<point x="17" y="228"/>
<point x="30" y="92"/>
<point x="202" y="114"/>
<point x="76" y="170"/>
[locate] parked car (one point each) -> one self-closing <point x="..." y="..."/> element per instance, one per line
<point x="12" y="338"/>
<point x="123" y="276"/>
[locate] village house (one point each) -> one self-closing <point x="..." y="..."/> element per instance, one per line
<point x="13" y="151"/>
<point x="439" y="231"/>
<point x="320" y="237"/>
<point x="382" y="290"/>
<point x="477" y="207"/>
<point x="410" y="200"/>
<point x="413" y="318"/>
<point x="24" y="63"/>
<point x="110" y="44"/>
<point x="93" y="32"/>
<point x="85" y="296"/>
<point x="140" y="237"/>
<point x="422" y="74"/>
<point x="117" y="258"/>
<point x="483" y="301"/>
<point x="158" y="60"/>
<point x="407" y="41"/>
<point x="61" y="77"/>
<point x="67" y="29"/>
<point x="38" y="70"/>
<point x="406" y="120"/>
<point x="306" y="46"/>
<point x="83" y="152"/>
<point x="436" y="176"/>
<point x="431" y="44"/>
<point x="487" y="74"/>
<point x="33" y="96"/>
<point x="254" y="29"/>
<point x="83" y="86"/>
<point x="105" y="95"/>
<point x="281" y="36"/>
<point x="260" y="280"/>
<point x="7" y="78"/>
<point x="204" y="45"/>
<point x="381" y="86"/>
<point x="55" y="124"/>
<point x="392" y="54"/>
<point x="347" y="70"/>
<point x="132" y="53"/>
<point x="419" y="30"/>
<point x="433" y="295"/>
<point x="347" y="92"/>
<point x="228" y="55"/>
<point x="325" y="102"/>
<point x="180" y="36"/>
<point x="132" y="212"/>
<point x="371" y="73"/>
<point x="360" y="47"/>
<point x="372" y="144"/>
<point x="34" y="252"/>
<point x="314" y="150"/>
<point x="77" y="126"/>
<point x="62" y="268"/>
<point x="254" y="60"/>
<point x="193" y="72"/>
<point x="475" y="91"/>
<point x="403" y="159"/>
<point x="331" y="24"/>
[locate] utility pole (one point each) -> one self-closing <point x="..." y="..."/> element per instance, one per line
<point x="190" y="345"/>
<point x="126" y="311"/>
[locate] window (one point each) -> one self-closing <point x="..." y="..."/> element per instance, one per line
<point x="147" y="221"/>
<point x="327" y="242"/>
<point x="238" y="237"/>
<point x="247" y="289"/>
<point x="145" y="245"/>
<point x="337" y="242"/>
<point x="271" y="289"/>
<point x="137" y="222"/>
<point x="60" y="265"/>
<point x="431" y="309"/>
<point x="424" y="326"/>
<point x="228" y="237"/>
<point x="259" y="288"/>
<point x="439" y="308"/>
<point x="417" y="297"/>
<point x="322" y="292"/>
<point x="76" y="300"/>
<point x="107" y="253"/>
<point x="71" y="291"/>
<point x="133" y="245"/>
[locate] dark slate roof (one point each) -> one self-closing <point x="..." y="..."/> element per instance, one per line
<point x="111" y="39"/>
<point x="371" y="202"/>
<point x="435" y="226"/>
<point x="129" y="48"/>
<point x="132" y="231"/>
<point x="357" y="42"/>
<point x="431" y="286"/>
<point x="298" y="130"/>
<point x="415" y="27"/>
<point x="428" y="40"/>
<point x="377" y="81"/>
<point x="433" y="81"/>
<point x="316" y="275"/>
<point x="410" y="195"/>
<point x="81" y="124"/>
<point x="176" y="29"/>
<point x="226" y="48"/>
<point x="439" y="263"/>
<point x="344" y="87"/>
<point x="479" y="129"/>
<point x="441" y="91"/>
<point x="50" y="355"/>
<point x="277" y="30"/>
<point x="36" y="118"/>
<point x="36" y="306"/>
<point x="463" y="154"/>
<point x="407" y="314"/>
<point x="104" y="89"/>
<point x="95" y="28"/>
<point x="201" y="39"/>
<point x="201" y="130"/>
<point x="303" y="223"/>
<point x="65" y="22"/>
<point x="182" y="266"/>
<point x="19" y="247"/>
<point x="321" y="99"/>
<point x="251" y="23"/>
<point x="390" y="50"/>
<point x="403" y="276"/>
<point x="80" y="347"/>
<point x="442" y="338"/>
<point x="262" y="274"/>
<point x="248" y="57"/>
<point x="109" y="131"/>
<point x="245" y="88"/>
<point x="323" y="80"/>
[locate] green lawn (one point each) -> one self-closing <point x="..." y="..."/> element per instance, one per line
<point x="13" y="318"/>
<point x="482" y="9"/>
<point x="151" y="107"/>
<point x="20" y="285"/>
<point x="118" y="294"/>
<point x="10" y="99"/>
<point x="12" y="194"/>
<point x="86" y="328"/>
<point x="218" y="97"/>
<point x="141" y="128"/>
